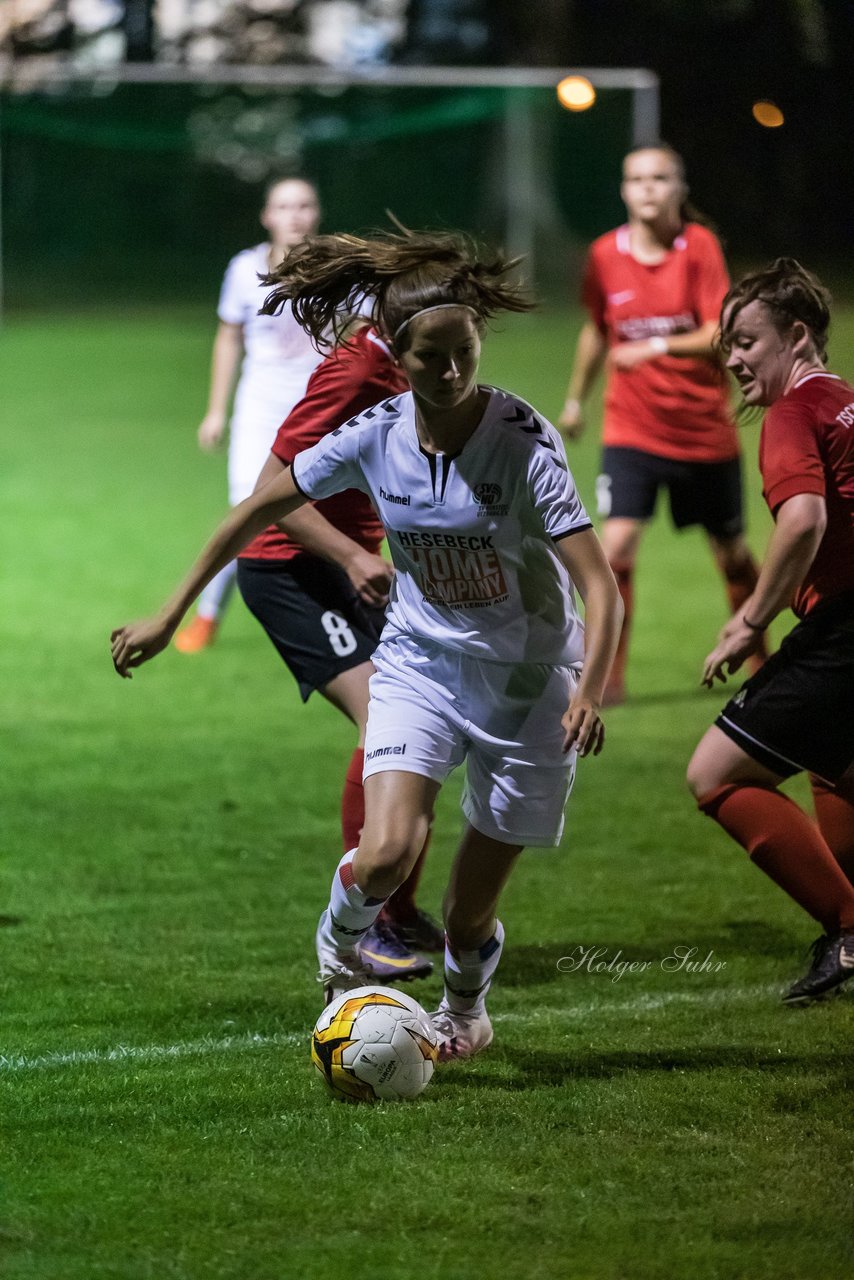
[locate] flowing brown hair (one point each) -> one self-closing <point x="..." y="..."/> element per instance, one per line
<point x="325" y="277"/>
<point x="791" y="294"/>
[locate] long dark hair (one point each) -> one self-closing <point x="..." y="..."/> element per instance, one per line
<point x="791" y="294"/>
<point x="403" y="273"/>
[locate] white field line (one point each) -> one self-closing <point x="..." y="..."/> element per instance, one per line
<point x="644" y="1003"/>
<point x="10" y="1063"/>
<point x="149" y="1052"/>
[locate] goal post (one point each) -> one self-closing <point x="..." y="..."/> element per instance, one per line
<point x="486" y="148"/>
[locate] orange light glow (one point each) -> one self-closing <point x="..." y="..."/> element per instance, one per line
<point x="768" y="114"/>
<point x="576" y="93"/>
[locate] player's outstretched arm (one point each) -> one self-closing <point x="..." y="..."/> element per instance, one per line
<point x="603" y="616"/>
<point x="225" y="361"/>
<point x="798" y="530"/>
<point x="588" y="360"/>
<point x="137" y="642"/>
<point x="370" y="575"/>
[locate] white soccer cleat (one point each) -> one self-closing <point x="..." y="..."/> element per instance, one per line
<point x="461" y="1035"/>
<point x="338" y="971"/>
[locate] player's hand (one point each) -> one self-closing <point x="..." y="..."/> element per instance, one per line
<point x="136" y="642"/>
<point x="371" y="577"/>
<point x="582" y="727"/>
<point x="625" y="355"/>
<point x="735" y="643"/>
<point x="211" y="431"/>
<point x="571" y="420"/>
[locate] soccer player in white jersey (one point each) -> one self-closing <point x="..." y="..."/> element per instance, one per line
<point x="278" y="358"/>
<point x="483" y="657"/>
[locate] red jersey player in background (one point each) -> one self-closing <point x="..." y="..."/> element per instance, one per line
<point x="318" y="586"/>
<point x="654" y="289"/>
<point x="797" y="713"/>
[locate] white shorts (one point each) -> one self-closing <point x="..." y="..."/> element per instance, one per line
<point x="431" y="708"/>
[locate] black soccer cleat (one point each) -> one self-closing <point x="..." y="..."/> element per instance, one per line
<point x="832" y="964"/>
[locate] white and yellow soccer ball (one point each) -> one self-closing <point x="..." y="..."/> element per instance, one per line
<point x="374" y="1043"/>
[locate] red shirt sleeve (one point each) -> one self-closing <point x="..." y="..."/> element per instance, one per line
<point x="790" y="458"/>
<point x="710" y="276"/>
<point x="592" y="293"/>
<point x="343" y="385"/>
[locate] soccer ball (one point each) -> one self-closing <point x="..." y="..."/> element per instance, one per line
<point x="374" y="1043"/>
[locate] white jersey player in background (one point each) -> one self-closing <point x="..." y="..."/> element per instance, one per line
<point x="483" y="657"/>
<point x="278" y="358"/>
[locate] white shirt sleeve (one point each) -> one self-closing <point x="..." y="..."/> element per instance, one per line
<point x="234" y="304"/>
<point x="331" y="465"/>
<point x="552" y="487"/>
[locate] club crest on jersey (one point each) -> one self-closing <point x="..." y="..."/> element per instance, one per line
<point x="488" y="497"/>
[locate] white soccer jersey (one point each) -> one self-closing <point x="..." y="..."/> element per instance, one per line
<point x="472" y="536"/>
<point x="278" y="355"/>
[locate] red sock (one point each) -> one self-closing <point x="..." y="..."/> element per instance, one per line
<point x="785" y="844"/>
<point x="740" y="582"/>
<point x="353" y="801"/>
<point x="401" y="905"/>
<point x="834" y="811"/>
<point x="623" y="571"/>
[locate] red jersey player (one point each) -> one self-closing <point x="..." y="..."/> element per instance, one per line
<point x="653" y="289"/>
<point x="797" y="713"/>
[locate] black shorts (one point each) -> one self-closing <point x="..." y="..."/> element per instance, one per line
<point x="704" y="493"/>
<point x="797" y="712"/>
<point x="313" y="616"/>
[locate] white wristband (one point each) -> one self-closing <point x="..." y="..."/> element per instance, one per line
<point x="572" y="406"/>
<point x="658" y="345"/>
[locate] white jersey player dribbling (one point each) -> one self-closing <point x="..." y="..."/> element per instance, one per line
<point x="482" y="636"/>
<point x="483" y="657"/>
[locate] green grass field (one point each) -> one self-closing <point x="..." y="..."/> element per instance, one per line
<point x="168" y="845"/>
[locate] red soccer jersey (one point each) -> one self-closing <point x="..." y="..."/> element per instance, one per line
<point x="671" y="406"/>
<point x="350" y="380"/>
<point x="807" y="446"/>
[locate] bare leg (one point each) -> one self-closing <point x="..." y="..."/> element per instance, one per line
<point x="475" y="939"/>
<point x="621" y="539"/>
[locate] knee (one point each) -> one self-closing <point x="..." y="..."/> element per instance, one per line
<point x="381" y="865"/>
<point x="703" y="775"/>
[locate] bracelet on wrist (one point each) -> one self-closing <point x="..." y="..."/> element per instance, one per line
<point x="658" y="344"/>
<point x="754" y="626"/>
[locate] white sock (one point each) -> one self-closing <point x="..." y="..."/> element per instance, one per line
<point x="351" y="913"/>
<point x="469" y="973"/>
<point x="215" y="597"/>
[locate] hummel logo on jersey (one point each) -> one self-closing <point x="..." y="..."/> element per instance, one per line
<point x="396" y="498"/>
<point x="617" y="299"/>
<point x="399" y="750"/>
